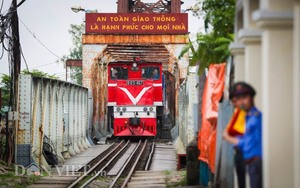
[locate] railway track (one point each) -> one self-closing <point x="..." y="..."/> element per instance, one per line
<point x="134" y="159"/>
<point x="117" y="164"/>
<point x="100" y="166"/>
<point x="55" y="180"/>
<point x="122" y="169"/>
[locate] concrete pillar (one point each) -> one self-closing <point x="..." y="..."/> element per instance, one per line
<point x="249" y="7"/>
<point x="277" y="108"/>
<point x="239" y="60"/>
<point x="296" y="98"/>
<point x="251" y="38"/>
<point x="91" y="80"/>
<point x="277" y="92"/>
<point x="237" y="50"/>
<point x="276" y="5"/>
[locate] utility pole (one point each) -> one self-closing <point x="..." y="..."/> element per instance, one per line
<point x="16" y="50"/>
<point x="15" y="58"/>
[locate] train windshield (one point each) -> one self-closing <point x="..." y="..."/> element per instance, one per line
<point x="119" y="73"/>
<point x="152" y="73"/>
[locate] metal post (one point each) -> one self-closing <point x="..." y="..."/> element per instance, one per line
<point x="175" y="6"/>
<point x="123" y="6"/>
<point x="16" y="49"/>
<point x="16" y="62"/>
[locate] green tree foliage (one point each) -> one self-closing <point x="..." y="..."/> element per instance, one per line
<point x="212" y="47"/>
<point x="76" y="32"/>
<point x="39" y="73"/>
<point x="5" y="88"/>
<point x="219" y="14"/>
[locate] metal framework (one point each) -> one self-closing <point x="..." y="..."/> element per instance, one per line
<point x="183" y="100"/>
<point x="126" y="53"/>
<point x="54" y="109"/>
<point x="161" y="6"/>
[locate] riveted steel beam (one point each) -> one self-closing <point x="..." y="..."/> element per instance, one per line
<point x="51" y="109"/>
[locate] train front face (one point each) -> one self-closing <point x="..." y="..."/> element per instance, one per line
<point x="134" y="98"/>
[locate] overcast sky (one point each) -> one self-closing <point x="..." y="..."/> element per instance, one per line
<point x="49" y="20"/>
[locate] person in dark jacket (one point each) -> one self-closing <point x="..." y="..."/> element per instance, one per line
<point x="251" y="142"/>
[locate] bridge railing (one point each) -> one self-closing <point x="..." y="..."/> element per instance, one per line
<point x="53" y="117"/>
<point x="183" y="101"/>
<point x="187" y="117"/>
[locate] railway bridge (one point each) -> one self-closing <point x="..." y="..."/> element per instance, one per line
<point x="69" y="130"/>
<point x="59" y="122"/>
<point x="154" y="33"/>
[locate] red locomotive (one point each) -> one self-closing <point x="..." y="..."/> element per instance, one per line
<point x="135" y="98"/>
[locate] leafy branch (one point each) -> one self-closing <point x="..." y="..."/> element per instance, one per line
<point x="212" y="47"/>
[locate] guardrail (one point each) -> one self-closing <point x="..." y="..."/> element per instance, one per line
<point x="187" y="110"/>
<point x="183" y="101"/>
<point x="53" y="117"/>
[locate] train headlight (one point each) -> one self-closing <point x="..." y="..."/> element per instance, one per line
<point x="151" y="109"/>
<point x="134" y="65"/>
<point x="145" y="109"/>
<point x="118" y="109"/>
<point x="124" y="109"/>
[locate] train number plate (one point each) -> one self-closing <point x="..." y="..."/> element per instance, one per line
<point x="135" y="82"/>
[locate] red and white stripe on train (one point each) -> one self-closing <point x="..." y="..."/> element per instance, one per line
<point x="135" y="98"/>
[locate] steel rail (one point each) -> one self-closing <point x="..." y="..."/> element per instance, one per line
<point x="150" y="156"/>
<point x="133" y="167"/>
<point x="126" y="163"/>
<point x="105" y="166"/>
<point x="96" y="165"/>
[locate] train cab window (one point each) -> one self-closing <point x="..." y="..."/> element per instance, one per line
<point x="152" y="73"/>
<point x="118" y="73"/>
